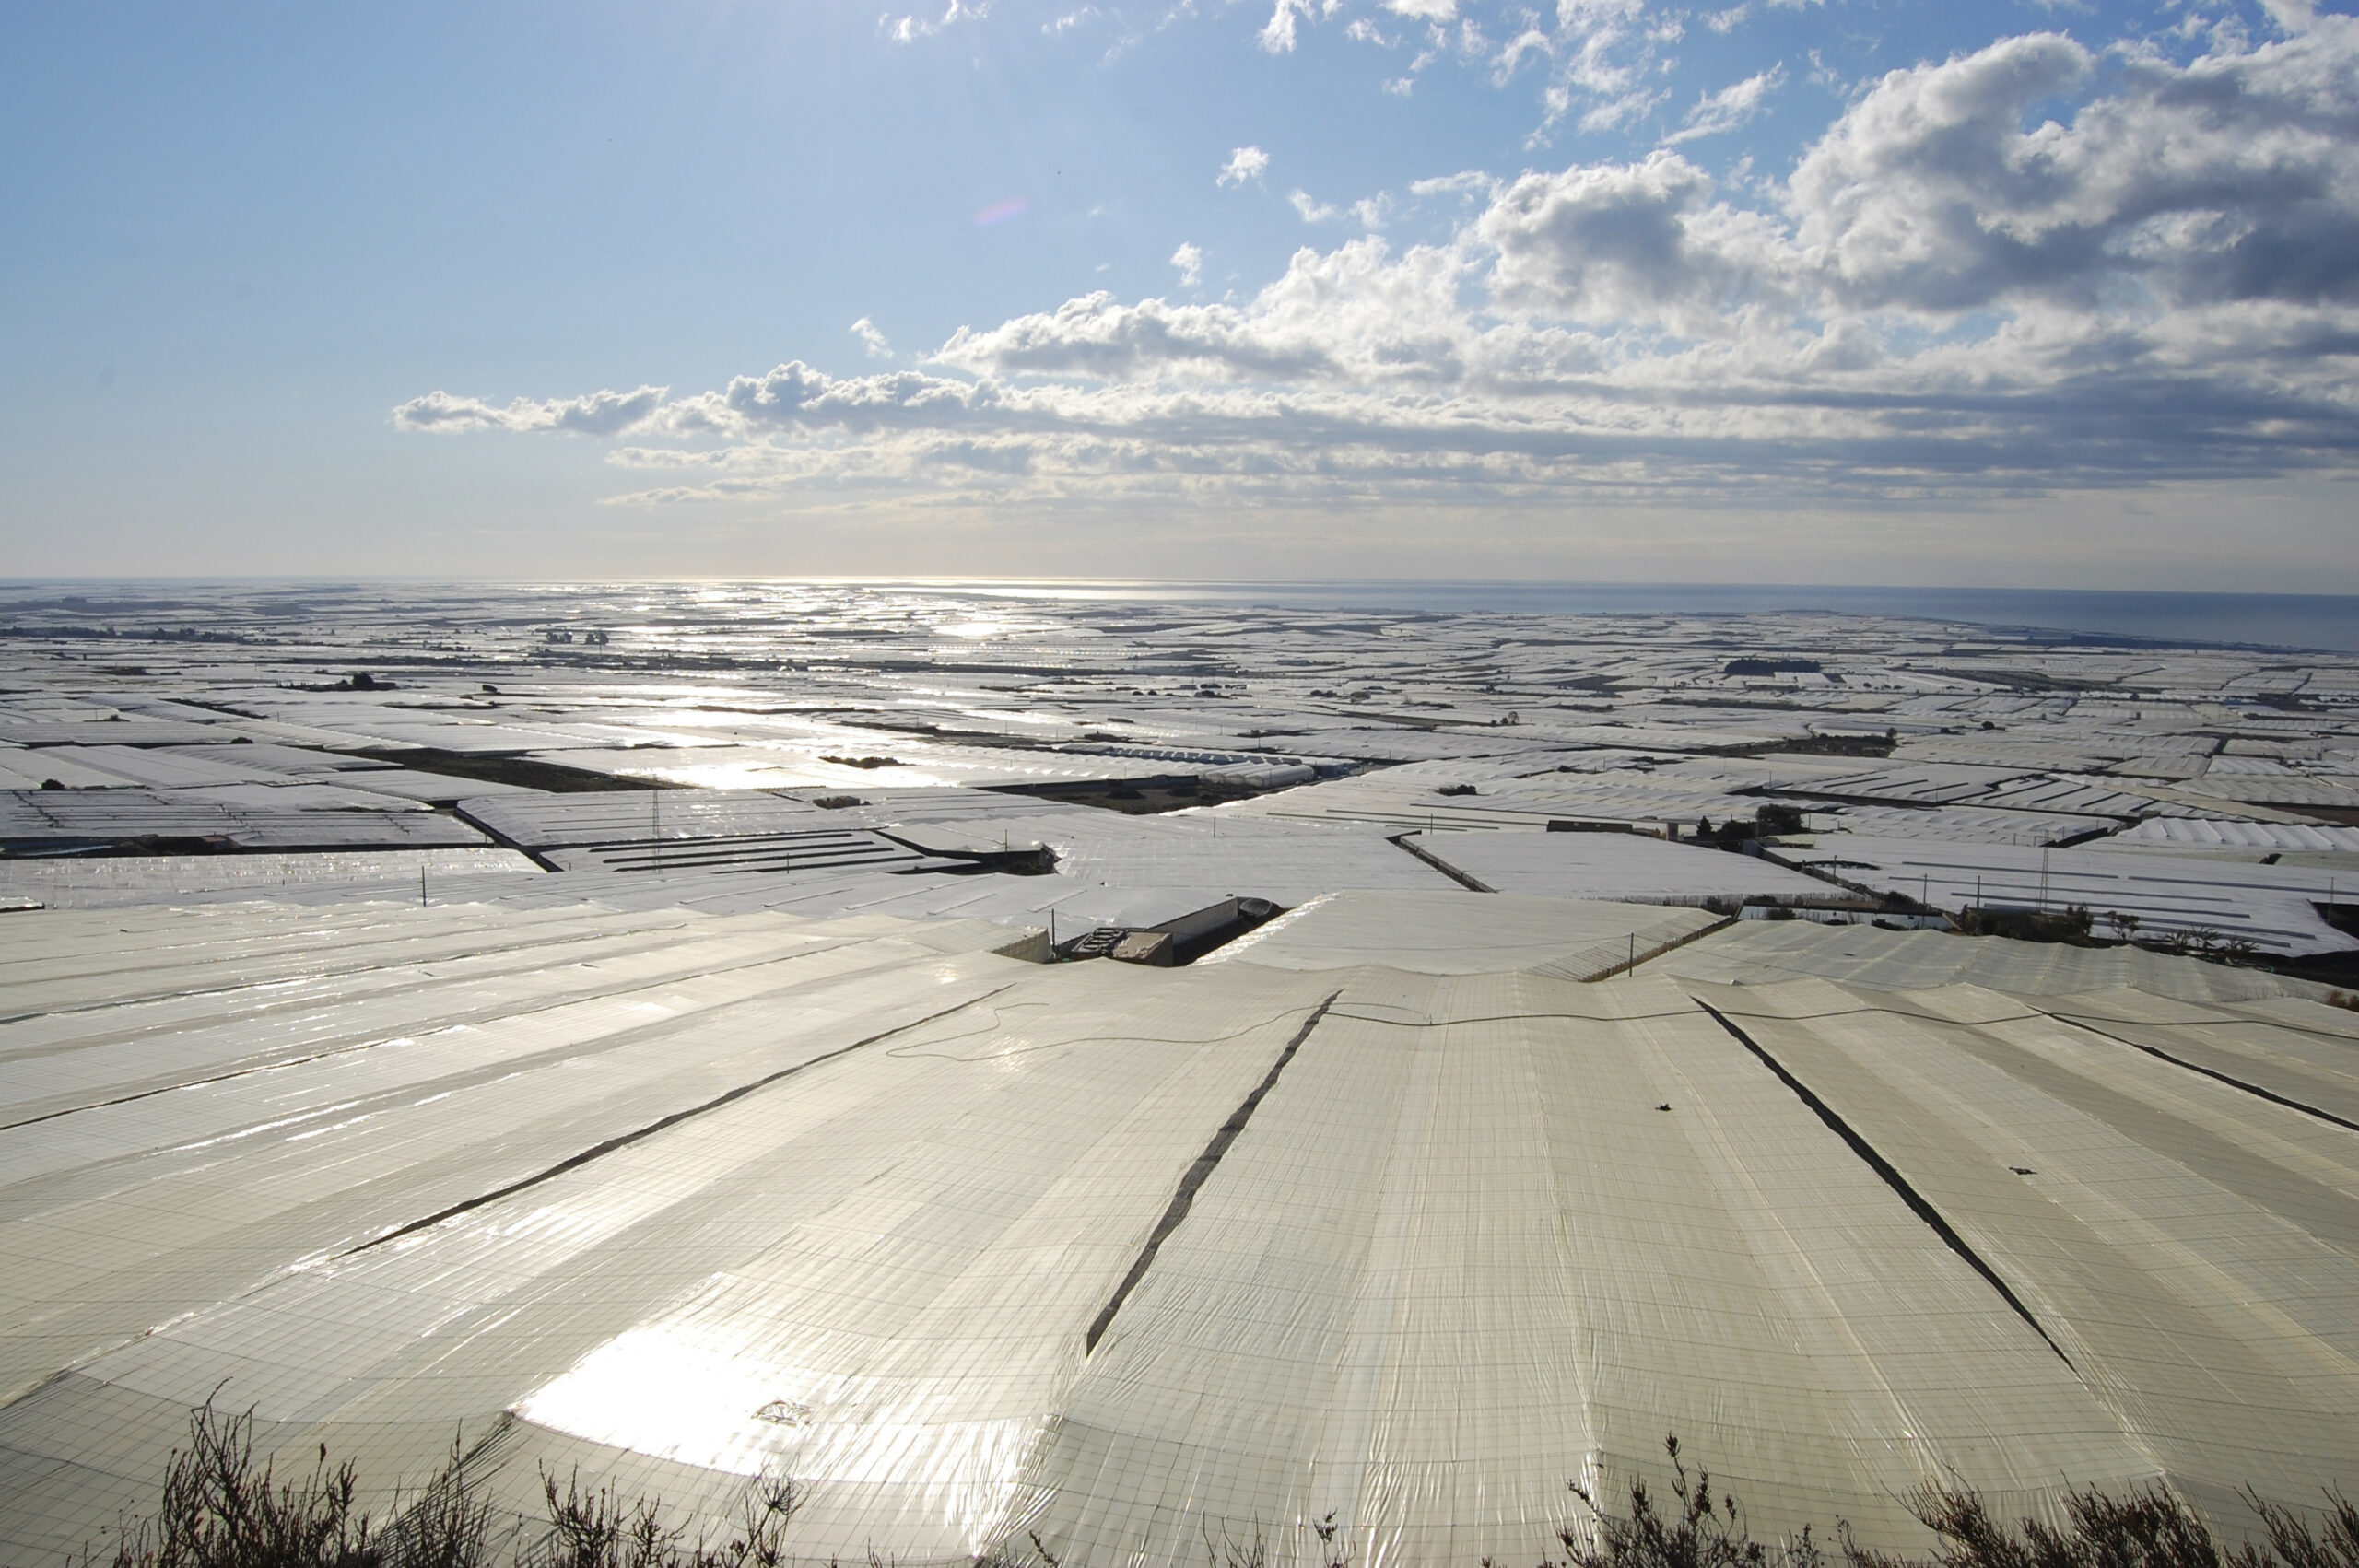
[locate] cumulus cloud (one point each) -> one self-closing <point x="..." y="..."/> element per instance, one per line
<point x="1190" y="260"/>
<point x="1245" y="163"/>
<point x="1949" y="294"/>
<point x="1640" y="243"/>
<point x="2236" y="177"/>
<point x="871" y="339"/>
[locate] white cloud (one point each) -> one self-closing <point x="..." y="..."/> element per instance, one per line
<point x="871" y="339"/>
<point x="1245" y="163"/>
<point x="1603" y="63"/>
<point x="1729" y="108"/>
<point x="1602" y="57"/>
<point x="1277" y="35"/>
<point x="1311" y="209"/>
<point x="1466" y="183"/>
<point x="1942" y="300"/>
<point x="2234" y="178"/>
<point x="1190" y="260"/>
<point x="909" y="28"/>
<point x="599" y="414"/>
<point x="1643" y="243"/>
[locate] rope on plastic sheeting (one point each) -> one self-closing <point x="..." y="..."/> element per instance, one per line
<point x="1198" y="1174"/>
<point x="623" y="1140"/>
<point x="1916" y="1201"/>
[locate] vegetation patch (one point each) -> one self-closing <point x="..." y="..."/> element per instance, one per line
<point x="222" y="1509"/>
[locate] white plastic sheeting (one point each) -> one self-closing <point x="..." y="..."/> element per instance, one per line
<point x="67" y="817"/>
<point x="2272" y="906"/>
<point x="2198" y="833"/>
<point x="1756" y="953"/>
<point x="1466" y="933"/>
<point x="2190" y="1245"/>
<point x="813" y="850"/>
<point x="672" y="1197"/>
<point x="620" y="816"/>
<point x="193" y="1101"/>
<point x="84" y="881"/>
<point x="1612" y="865"/>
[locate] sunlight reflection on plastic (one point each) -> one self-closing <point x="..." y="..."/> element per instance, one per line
<point x="678" y="1392"/>
<point x="648" y="1390"/>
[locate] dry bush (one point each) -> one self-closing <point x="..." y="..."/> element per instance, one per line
<point x="221" y="1510"/>
<point x="2150" y="1527"/>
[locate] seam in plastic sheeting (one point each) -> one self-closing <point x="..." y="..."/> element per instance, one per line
<point x="1198" y="1174"/>
<point x="1401" y="841"/>
<point x="1916" y="1201"/>
<point x="624" y="1140"/>
<point x="2253" y="1089"/>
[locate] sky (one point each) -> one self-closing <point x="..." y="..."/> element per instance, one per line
<point x="2014" y="294"/>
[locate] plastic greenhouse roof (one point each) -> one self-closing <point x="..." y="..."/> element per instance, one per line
<point x="669" y="1195"/>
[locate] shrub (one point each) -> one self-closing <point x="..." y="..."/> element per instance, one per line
<point x="2149" y="1527"/>
<point x="1695" y="1535"/>
<point x="220" y="1511"/>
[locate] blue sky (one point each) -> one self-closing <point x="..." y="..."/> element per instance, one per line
<point x="2007" y="294"/>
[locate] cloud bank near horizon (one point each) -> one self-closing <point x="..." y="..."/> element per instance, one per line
<point x="2032" y="267"/>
